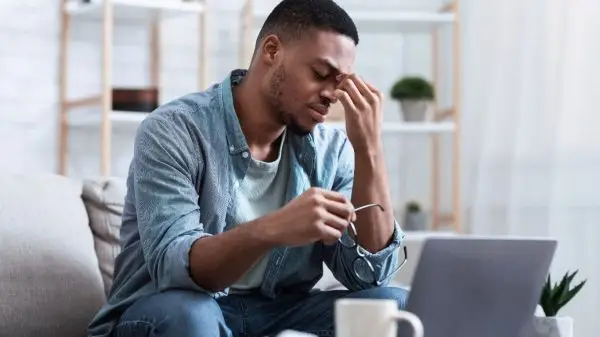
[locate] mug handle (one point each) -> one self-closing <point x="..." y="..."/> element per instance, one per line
<point x="412" y="319"/>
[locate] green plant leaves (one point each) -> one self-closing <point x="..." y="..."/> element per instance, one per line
<point x="413" y="87"/>
<point x="413" y="207"/>
<point x="556" y="296"/>
<point x="545" y="299"/>
<point x="568" y="296"/>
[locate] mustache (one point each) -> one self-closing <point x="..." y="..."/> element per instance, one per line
<point x="326" y="101"/>
<point x="324" y="104"/>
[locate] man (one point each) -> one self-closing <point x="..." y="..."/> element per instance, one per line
<point x="239" y="194"/>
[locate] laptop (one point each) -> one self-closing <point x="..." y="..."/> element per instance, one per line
<point x="478" y="286"/>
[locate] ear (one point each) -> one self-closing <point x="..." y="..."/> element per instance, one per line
<point x="271" y="49"/>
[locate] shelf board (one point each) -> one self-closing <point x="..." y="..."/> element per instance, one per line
<point x="407" y="127"/>
<point x="393" y="20"/>
<point x="402" y="20"/>
<point x="134" y="10"/>
<point x="94" y="118"/>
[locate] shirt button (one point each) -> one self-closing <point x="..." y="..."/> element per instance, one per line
<point x="231" y="148"/>
<point x="245" y="154"/>
<point x="300" y="156"/>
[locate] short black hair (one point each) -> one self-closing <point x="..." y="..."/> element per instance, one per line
<point x="291" y="19"/>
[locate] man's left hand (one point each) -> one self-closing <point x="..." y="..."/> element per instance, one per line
<point x="362" y="104"/>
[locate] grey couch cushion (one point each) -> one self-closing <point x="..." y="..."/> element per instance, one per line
<point x="50" y="284"/>
<point x="104" y="200"/>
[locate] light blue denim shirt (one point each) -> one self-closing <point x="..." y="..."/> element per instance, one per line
<point x="189" y="157"/>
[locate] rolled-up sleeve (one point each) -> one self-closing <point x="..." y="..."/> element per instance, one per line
<point x="340" y="259"/>
<point x="166" y="201"/>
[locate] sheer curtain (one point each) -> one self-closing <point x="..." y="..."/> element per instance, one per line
<point x="531" y="132"/>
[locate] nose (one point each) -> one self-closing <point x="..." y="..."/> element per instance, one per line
<point x="328" y="92"/>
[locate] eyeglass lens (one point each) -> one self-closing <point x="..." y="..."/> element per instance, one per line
<point x="364" y="270"/>
<point x="349" y="239"/>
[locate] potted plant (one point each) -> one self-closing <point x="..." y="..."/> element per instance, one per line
<point x="416" y="96"/>
<point x="553" y="298"/>
<point x="414" y="217"/>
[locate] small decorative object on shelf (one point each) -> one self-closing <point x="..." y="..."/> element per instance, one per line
<point x="135" y="100"/>
<point x="414" y="218"/>
<point x="416" y="96"/>
<point x="553" y="298"/>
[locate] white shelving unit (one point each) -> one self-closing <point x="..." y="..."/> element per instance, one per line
<point x="392" y="20"/>
<point x="109" y="13"/>
<point x="133" y="10"/>
<point x="445" y="120"/>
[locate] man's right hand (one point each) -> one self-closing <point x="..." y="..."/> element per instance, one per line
<point x="317" y="214"/>
<point x="217" y="261"/>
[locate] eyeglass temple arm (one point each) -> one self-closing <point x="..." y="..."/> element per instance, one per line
<point x="359" y="209"/>
<point x="367" y="206"/>
<point x="393" y="273"/>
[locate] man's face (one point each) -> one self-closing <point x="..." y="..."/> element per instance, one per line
<point x="303" y="76"/>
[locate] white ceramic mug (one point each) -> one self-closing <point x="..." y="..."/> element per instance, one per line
<point x="372" y="317"/>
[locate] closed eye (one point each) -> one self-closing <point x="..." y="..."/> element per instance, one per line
<point x="319" y="75"/>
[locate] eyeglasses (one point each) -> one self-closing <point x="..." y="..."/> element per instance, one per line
<point x="363" y="269"/>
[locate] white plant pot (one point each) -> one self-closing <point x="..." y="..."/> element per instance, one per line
<point x="415" y="221"/>
<point x="416" y="110"/>
<point x="552" y="327"/>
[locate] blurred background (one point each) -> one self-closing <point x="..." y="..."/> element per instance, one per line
<point x="490" y="113"/>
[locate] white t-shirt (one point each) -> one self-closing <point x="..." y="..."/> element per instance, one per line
<point x="263" y="190"/>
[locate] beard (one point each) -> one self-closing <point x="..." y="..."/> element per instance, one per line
<point x="277" y="98"/>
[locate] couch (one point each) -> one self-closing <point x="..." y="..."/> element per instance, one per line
<point x="58" y="240"/>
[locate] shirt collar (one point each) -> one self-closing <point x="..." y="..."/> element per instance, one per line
<point x="235" y="137"/>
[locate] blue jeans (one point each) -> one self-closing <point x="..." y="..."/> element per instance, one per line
<point x="183" y="313"/>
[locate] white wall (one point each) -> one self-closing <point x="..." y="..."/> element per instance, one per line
<point x="29" y="48"/>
